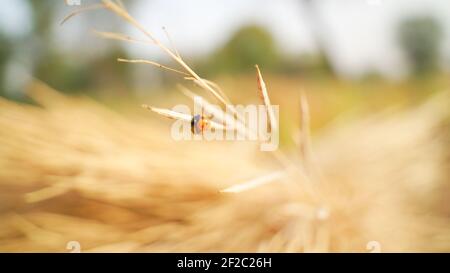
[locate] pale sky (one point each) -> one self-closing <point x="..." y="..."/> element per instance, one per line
<point x="361" y="32"/>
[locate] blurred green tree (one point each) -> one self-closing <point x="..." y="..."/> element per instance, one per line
<point x="64" y="70"/>
<point x="51" y="65"/>
<point x="420" y="38"/>
<point x="41" y="55"/>
<point x="250" y="45"/>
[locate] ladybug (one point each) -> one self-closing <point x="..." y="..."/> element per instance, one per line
<point x="198" y="124"/>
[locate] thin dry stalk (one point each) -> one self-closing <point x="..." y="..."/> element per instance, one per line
<point x="255" y="182"/>
<point x="171" y="42"/>
<point x="265" y="97"/>
<point x="152" y="63"/>
<point x="179" y="116"/>
<point x="168" y="113"/>
<point x="81" y="10"/>
<point x="119" y="37"/>
<point x="213" y="84"/>
<point x="305" y="134"/>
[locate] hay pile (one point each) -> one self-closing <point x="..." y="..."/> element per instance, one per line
<point x="71" y="170"/>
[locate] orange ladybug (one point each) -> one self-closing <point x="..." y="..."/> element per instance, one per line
<point x="198" y="124"/>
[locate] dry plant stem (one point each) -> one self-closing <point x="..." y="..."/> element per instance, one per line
<point x="254" y="183"/>
<point x="305" y="134"/>
<point x="310" y="165"/>
<point x="152" y="63"/>
<point x="171" y="42"/>
<point x="265" y="96"/>
<point x="81" y="10"/>
<point x="213" y="84"/>
<point x="179" y="116"/>
<point x="120" y="37"/>
<point x="168" y="113"/>
<point x="218" y="89"/>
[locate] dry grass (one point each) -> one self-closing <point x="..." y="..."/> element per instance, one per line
<point x="72" y="170"/>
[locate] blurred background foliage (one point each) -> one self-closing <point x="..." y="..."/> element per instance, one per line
<point x="419" y="37"/>
<point x="250" y="45"/>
